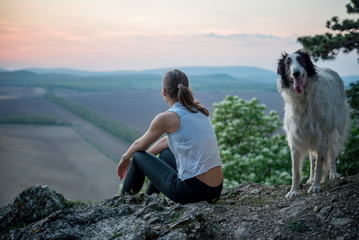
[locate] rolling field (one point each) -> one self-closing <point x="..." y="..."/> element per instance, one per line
<point x="77" y="161"/>
<point x="51" y="155"/>
<point x="138" y="108"/>
<point x="34" y="105"/>
<point x="55" y="156"/>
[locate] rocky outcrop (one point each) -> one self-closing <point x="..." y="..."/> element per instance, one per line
<point x="249" y="211"/>
<point x="31" y="205"/>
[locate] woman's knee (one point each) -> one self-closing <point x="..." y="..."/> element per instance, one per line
<point x="138" y="156"/>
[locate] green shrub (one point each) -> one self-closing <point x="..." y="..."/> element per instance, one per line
<point x="348" y="161"/>
<point x="249" y="143"/>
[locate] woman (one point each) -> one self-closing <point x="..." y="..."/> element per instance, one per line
<point x="189" y="168"/>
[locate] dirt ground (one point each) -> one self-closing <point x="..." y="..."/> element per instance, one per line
<point x="254" y="211"/>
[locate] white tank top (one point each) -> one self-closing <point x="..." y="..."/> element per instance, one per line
<point x="194" y="144"/>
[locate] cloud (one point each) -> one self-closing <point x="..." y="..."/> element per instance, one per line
<point x="65" y="8"/>
<point x="241" y="36"/>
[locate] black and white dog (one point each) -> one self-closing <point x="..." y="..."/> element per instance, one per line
<point x="316" y="117"/>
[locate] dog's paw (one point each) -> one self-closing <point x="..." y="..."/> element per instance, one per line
<point x="291" y="194"/>
<point x="334" y="175"/>
<point x="314" y="189"/>
<point x="310" y="181"/>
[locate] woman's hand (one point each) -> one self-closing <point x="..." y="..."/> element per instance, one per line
<point x="123" y="166"/>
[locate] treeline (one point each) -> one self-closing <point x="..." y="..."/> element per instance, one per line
<point x="116" y="128"/>
<point x="29" y="120"/>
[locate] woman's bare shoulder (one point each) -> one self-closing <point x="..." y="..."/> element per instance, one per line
<point x="170" y="120"/>
<point x="167" y="115"/>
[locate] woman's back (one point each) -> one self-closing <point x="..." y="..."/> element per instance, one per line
<point x="194" y="144"/>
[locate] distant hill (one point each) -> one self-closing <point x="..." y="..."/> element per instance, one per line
<point x="248" y="73"/>
<point x="251" y="74"/>
<point x="349" y="79"/>
<point x="241" y="72"/>
<point x="219" y="79"/>
<point x="138" y="81"/>
<point x="234" y="71"/>
<point x="75" y="72"/>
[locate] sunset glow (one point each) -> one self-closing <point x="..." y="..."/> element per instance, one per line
<point x="136" y="35"/>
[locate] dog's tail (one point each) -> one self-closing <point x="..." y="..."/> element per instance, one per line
<point x="336" y="145"/>
<point x="340" y="135"/>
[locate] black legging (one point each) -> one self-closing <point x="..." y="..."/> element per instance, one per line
<point x="163" y="176"/>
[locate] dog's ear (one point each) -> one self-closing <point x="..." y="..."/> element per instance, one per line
<point x="281" y="64"/>
<point x="282" y="71"/>
<point x="310" y="67"/>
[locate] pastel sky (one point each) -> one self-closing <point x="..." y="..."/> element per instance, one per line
<point x="107" y="35"/>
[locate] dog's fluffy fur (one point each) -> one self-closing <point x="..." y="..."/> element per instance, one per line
<point x="316" y="116"/>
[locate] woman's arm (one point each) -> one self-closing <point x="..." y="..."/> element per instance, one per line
<point x="159" y="146"/>
<point x="164" y="122"/>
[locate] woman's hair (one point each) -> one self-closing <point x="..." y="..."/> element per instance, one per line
<point x="176" y="85"/>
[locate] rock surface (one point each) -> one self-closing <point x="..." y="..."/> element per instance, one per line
<point x="249" y="211"/>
